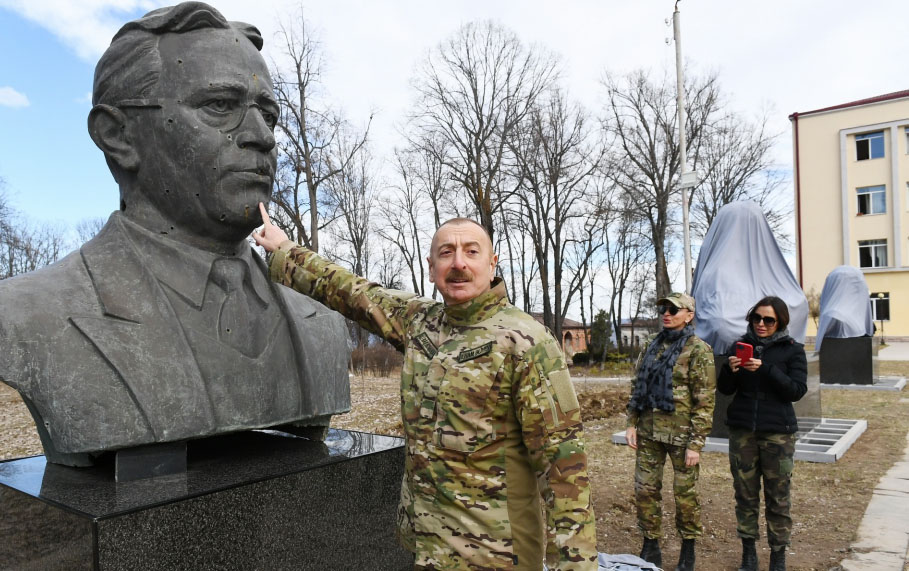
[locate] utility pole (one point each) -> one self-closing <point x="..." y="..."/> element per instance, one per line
<point x="688" y="179"/>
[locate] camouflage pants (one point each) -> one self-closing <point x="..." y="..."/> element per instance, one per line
<point x="762" y="455"/>
<point x="648" y="483"/>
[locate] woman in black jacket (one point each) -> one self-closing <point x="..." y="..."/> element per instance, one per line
<point x="762" y="427"/>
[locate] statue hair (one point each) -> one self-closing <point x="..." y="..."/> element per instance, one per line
<point x="131" y="65"/>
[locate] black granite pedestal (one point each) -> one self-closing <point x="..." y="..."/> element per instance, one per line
<point x="252" y="501"/>
<point x="848" y="361"/>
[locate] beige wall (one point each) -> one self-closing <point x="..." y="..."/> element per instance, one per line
<point x="829" y="226"/>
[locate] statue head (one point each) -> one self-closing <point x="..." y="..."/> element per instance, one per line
<point x="184" y="111"/>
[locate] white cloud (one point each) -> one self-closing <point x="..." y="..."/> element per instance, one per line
<point x="87" y="26"/>
<point x="9" y="97"/>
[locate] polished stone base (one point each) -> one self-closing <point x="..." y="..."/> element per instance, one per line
<point x="849" y="361"/>
<point x="254" y="500"/>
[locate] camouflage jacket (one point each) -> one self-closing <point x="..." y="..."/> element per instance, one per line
<point x="491" y="421"/>
<point x="693" y="388"/>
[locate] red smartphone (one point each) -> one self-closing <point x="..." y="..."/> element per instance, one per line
<point x="744" y="351"/>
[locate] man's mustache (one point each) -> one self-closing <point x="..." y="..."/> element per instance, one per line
<point x="458" y="275"/>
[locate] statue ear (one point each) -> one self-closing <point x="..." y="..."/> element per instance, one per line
<point x="107" y="128"/>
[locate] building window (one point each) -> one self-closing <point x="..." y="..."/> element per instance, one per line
<point x="880" y="306"/>
<point x="869" y="146"/>
<point x="872" y="199"/>
<point x="872" y="253"/>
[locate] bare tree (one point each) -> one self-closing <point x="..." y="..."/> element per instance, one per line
<point x="404" y="211"/>
<point x="641" y="300"/>
<point x="351" y="193"/>
<point x="554" y="161"/>
<point x="641" y="118"/>
<point x="429" y="174"/>
<point x="516" y="259"/>
<point x="307" y="132"/>
<point x="627" y="251"/>
<point x="735" y="156"/>
<point x="474" y="89"/>
<point x="24" y="245"/>
<point x="732" y="152"/>
<point x="88" y="227"/>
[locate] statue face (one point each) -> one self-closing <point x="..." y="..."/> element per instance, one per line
<point x="206" y="146"/>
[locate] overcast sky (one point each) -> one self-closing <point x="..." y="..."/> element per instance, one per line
<point x="782" y="55"/>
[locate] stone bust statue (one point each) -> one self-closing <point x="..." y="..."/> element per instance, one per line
<point x="164" y="326"/>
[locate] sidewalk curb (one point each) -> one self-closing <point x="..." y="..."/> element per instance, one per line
<point x="883" y="535"/>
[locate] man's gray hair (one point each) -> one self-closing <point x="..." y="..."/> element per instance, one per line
<point x="131" y="65"/>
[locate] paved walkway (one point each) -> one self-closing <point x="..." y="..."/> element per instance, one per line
<point x="897" y="351"/>
<point x="883" y="536"/>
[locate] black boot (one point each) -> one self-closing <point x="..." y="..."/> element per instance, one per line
<point x="778" y="560"/>
<point x="651" y="552"/>
<point x="749" y="555"/>
<point x="686" y="556"/>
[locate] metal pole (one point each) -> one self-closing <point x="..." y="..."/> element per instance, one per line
<point x="680" y="103"/>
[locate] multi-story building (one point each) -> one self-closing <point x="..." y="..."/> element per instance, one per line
<point x="852" y="200"/>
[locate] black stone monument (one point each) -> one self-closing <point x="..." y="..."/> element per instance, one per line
<point x="255" y="500"/>
<point x="848" y="361"/>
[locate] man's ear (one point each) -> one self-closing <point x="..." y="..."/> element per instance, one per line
<point x="429" y="261"/>
<point x="107" y="128"/>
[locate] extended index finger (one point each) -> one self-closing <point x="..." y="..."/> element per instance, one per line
<point x="265" y="219"/>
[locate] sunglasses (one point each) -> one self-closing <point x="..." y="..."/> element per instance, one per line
<point x="661" y="309"/>
<point x="757" y="319"/>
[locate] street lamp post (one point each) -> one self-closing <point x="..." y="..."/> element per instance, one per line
<point x="880" y="315"/>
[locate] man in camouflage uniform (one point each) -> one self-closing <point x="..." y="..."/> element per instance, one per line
<point x="679" y="433"/>
<point x="495" y="473"/>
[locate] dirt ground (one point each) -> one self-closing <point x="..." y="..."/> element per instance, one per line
<point x="828" y="499"/>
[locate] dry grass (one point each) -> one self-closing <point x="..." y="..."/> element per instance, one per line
<point x="828" y="499"/>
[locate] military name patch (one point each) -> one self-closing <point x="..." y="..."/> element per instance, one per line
<point x="426" y="346"/>
<point x="468" y="354"/>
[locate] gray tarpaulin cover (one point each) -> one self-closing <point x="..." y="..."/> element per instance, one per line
<point x="739" y="263"/>
<point x="607" y="562"/>
<point x="845" y="306"/>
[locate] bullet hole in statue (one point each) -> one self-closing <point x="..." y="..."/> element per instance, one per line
<point x="223" y="216"/>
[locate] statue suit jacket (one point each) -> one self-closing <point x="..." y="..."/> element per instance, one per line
<point x="94" y="347"/>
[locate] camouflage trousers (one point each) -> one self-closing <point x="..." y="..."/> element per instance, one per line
<point x="754" y="456"/>
<point x="648" y="484"/>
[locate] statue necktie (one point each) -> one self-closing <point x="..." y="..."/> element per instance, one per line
<point x="239" y="318"/>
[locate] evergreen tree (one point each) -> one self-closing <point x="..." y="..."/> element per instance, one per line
<point x="600" y="337"/>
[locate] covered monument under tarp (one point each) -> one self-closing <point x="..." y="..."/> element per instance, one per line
<point x="844" y="333"/>
<point x="845" y="306"/>
<point x="739" y="263"/>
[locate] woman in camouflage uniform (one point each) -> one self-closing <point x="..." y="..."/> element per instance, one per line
<point x="762" y="426"/>
<point x="670" y="414"/>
